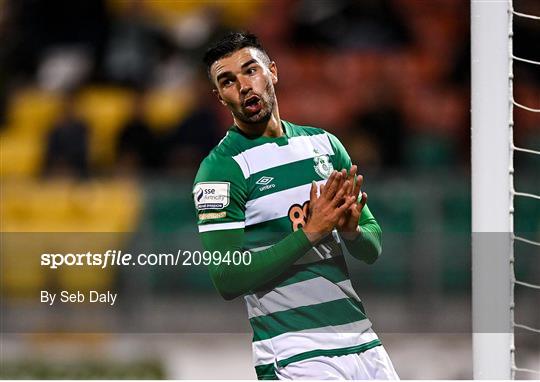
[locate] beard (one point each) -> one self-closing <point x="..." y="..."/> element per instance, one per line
<point x="268" y="102"/>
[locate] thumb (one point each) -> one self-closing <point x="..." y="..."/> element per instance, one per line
<point x="363" y="200"/>
<point x="313" y="192"/>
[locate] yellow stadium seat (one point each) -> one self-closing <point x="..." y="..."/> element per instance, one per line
<point x="20" y="154"/>
<point x="21" y="274"/>
<point x="106" y="109"/>
<point x="33" y="111"/>
<point x="62" y="216"/>
<point x="69" y="206"/>
<point x="164" y="108"/>
<point x="167" y="12"/>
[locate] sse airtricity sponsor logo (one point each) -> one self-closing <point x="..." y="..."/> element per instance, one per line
<point x="265" y="183"/>
<point x="211" y="195"/>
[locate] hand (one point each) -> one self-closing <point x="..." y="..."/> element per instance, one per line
<point x="327" y="209"/>
<point x="348" y="223"/>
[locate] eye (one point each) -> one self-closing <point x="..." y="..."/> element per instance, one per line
<point x="251" y="70"/>
<point x="226" y="82"/>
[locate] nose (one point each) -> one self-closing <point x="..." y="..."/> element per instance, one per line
<point x="245" y="85"/>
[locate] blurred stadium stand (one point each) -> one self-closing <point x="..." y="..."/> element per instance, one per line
<point x="390" y="78"/>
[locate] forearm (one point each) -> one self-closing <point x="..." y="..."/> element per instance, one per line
<point x="234" y="280"/>
<point x="368" y="244"/>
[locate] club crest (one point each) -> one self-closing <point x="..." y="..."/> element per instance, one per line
<point x="323" y="166"/>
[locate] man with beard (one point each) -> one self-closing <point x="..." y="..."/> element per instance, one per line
<point x="271" y="187"/>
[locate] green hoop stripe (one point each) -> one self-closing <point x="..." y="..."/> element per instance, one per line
<point x="330" y="352"/>
<point x="332" y="313"/>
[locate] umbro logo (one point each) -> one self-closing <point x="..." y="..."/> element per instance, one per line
<point x="265" y="183"/>
<point x="264" y="180"/>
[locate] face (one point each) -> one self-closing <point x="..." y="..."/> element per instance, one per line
<point x="245" y="84"/>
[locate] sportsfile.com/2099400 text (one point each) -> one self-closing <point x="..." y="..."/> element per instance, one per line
<point x="113" y="257"/>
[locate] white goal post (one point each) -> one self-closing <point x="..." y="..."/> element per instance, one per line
<point x="491" y="182"/>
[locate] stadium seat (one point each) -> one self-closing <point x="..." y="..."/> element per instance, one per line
<point x="165" y="107"/>
<point x="31" y="112"/>
<point x="105" y="109"/>
<point x="63" y="217"/>
<point x="21" y="154"/>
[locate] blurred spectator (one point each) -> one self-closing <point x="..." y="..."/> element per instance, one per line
<point x="35" y="26"/>
<point x="135" y="47"/>
<point x="364" y="151"/>
<point x="193" y="138"/>
<point x="4" y="60"/>
<point x="383" y="124"/>
<point x="136" y="147"/>
<point x="67" y="145"/>
<point x="350" y="24"/>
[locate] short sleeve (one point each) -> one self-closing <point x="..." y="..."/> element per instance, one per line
<point x="219" y="194"/>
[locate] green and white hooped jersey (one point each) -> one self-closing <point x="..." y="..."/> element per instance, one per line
<point x="262" y="185"/>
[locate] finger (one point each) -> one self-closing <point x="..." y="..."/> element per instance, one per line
<point x="360" y="180"/>
<point x="338" y="197"/>
<point x="358" y="185"/>
<point x="352" y="172"/>
<point x="341" y="180"/>
<point x="352" y="178"/>
<point x="313" y="193"/>
<point x="349" y="201"/>
<point x="330" y="190"/>
<point x="363" y="200"/>
<point x="328" y="183"/>
<point x="345" y="176"/>
<point x="354" y="212"/>
<point x="341" y="221"/>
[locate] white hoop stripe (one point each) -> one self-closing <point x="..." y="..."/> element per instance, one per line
<point x="221" y="226"/>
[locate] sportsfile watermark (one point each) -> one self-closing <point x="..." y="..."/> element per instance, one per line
<point x="116" y="257"/>
<point x="168" y="283"/>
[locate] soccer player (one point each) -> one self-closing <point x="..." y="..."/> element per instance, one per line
<point x="290" y="195"/>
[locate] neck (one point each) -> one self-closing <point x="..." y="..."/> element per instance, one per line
<point x="270" y="128"/>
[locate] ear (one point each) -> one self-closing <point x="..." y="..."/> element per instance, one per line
<point x="273" y="72"/>
<point x="216" y="93"/>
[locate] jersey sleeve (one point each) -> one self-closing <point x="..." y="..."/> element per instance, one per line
<point x="341" y="156"/>
<point x="219" y="194"/>
<point x="368" y="245"/>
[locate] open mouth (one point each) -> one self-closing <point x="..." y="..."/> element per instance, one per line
<point x="251" y="101"/>
<point x="252" y="104"/>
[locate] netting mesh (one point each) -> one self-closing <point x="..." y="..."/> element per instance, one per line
<point x="520" y="326"/>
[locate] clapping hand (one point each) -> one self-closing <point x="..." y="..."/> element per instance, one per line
<point x="347" y="225"/>
<point x="329" y="207"/>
